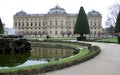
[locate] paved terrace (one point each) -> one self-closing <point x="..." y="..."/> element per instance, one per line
<point x="106" y="63"/>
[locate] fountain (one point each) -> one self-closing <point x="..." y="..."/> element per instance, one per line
<point x="11" y="44"/>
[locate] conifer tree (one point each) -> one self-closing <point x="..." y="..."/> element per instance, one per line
<point x="81" y="26"/>
<point x="1" y="27"/>
<point x="117" y="27"/>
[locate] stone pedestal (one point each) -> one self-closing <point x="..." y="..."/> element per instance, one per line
<point x="81" y="38"/>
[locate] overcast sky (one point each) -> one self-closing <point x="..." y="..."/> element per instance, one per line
<point x="9" y="7"/>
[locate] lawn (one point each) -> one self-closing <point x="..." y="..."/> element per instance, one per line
<point x="108" y="40"/>
<point x="57" y="38"/>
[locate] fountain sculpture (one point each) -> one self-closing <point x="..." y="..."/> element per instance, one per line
<point x="10" y="44"/>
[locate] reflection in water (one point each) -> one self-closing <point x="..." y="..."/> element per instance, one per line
<point x="10" y="60"/>
<point x="50" y="53"/>
<point x="38" y="55"/>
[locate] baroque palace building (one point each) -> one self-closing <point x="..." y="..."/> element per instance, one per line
<point x="56" y="23"/>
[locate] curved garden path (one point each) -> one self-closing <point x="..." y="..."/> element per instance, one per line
<point x="106" y="63"/>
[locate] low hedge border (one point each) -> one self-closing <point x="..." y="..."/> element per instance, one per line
<point x="52" y="67"/>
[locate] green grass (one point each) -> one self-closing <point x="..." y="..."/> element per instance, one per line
<point x="114" y="40"/>
<point x="56" y="38"/>
<point x="107" y="40"/>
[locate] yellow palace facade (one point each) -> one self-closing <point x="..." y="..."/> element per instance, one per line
<point x="56" y="23"/>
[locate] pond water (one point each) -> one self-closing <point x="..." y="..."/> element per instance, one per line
<point x="38" y="55"/>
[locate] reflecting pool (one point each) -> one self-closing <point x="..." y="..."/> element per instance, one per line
<point x="38" y="55"/>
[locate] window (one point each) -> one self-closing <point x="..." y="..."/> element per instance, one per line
<point x="66" y="23"/>
<point x="23" y="24"/>
<point x="15" y="23"/>
<point x="56" y="22"/>
<point x="19" y="23"/>
<point x="56" y="32"/>
<point x="43" y="23"/>
<point x="50" y="32"/>
<point x="35" y="24"/>
<point x="27" y="24"/>
<point x="99" y="27"/>
<point x="99" y="23"/>
<point x="95" y="23"/>
<point x="39" y="23"/>
<point x="69" y="23"/>
<point x="61" y="22"/>
<point x="50" y="22"/>
<point x="31" y="24"/>
<point x="43" y="32"/>
<point x="98" y="32"/>
<point x="95" y="33"/>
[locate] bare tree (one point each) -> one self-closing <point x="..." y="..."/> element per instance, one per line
<point x="62" y="33"/>
<point x="68" y="33"/>
<point x="111" y="19"/>
<point x="110" y="30"/>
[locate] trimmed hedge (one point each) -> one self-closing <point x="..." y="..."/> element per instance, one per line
<point x="55" y="66"/>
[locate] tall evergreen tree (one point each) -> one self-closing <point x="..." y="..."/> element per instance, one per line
<point x="117" y="27"/>
<point x="1" y="27"/>
<point x="81" y="26"/>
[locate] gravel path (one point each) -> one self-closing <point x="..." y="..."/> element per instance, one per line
<point x="106" y="63"/>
